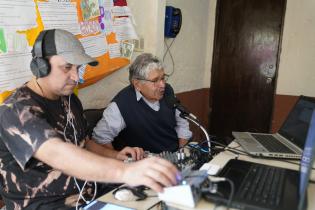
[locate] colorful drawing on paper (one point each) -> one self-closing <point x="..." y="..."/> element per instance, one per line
<point x="90" y="9"/>
<point x="3" y="46"/>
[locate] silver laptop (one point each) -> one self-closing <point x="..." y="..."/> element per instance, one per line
<point x="290" y="139"/>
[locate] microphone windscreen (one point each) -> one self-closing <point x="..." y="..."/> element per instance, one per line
<point x="171" y="101"/>
<point x="170" y="98"/>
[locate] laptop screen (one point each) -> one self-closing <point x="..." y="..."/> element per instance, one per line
<point x="296" y="125"/>
<point x="307" y="160"/>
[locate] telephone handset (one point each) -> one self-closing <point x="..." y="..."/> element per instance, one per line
<point x="173" y="21"/>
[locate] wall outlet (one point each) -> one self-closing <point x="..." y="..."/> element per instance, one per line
<point x="138" y="44"/>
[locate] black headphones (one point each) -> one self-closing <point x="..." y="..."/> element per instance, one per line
<point x="39" y="65"/>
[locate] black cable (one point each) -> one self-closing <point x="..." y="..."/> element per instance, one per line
<point x="152" y="196"/>
<point x="198" y="148"/>
<point x="238" y="152"/>
<point x="192" y="176"/>
<point x="250" y="155"/>
<point x="189" y="141"/>
<point x="216" y="142"/>
<point x="168" y="47"/>
<point x="236" y="147"/>
<point x="231" y="192"/>
<point x="230" y="197"/>
<point x="231" y="149"/>
<point x="151" y="207"/>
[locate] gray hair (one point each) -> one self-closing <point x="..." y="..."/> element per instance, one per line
<point x="143" y="65"/>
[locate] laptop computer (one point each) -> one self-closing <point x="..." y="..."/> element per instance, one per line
<point x="259" y="186"/>
<point x="288" y="142"/>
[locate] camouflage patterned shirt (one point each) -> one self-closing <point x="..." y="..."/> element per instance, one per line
<point x="26" y="121"/>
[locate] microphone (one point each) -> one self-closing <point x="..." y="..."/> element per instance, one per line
<point x="173" y="102"/>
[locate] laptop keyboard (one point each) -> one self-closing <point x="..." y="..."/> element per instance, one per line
<point x="262" y="184"/>
<point x="272" y="144"/>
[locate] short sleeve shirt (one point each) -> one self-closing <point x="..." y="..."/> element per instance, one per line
<point x="27" y="120"/>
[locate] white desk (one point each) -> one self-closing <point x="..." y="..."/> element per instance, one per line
<point x="221" y="159"/>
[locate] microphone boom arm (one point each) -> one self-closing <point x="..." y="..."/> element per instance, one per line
<point x="195" y="121"/>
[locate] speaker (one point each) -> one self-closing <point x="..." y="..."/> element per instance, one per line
<point x="39" y="65"/>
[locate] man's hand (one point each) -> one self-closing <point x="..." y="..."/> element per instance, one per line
<point x="153" y="172"/>
<point x="182" y="142"/>
<point x="136" y="153"/>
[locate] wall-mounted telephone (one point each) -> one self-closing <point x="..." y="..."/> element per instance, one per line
<point x="173" y="21"/>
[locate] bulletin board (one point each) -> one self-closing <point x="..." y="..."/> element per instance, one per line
<point x="104" y="27"/>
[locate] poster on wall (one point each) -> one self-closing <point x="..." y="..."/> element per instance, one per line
<point x="100" y="25"/>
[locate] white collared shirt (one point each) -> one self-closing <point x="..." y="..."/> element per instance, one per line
<point x="112" y="122"/>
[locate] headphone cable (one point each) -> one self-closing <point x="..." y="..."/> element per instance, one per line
<point x="70" y="121"/>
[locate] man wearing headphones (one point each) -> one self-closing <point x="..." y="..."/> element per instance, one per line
<point x="42" y="132"/>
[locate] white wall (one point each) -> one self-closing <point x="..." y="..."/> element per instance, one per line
<point x="149" y="23"/>
<point x="209" y="45"/>
<point x="190" y="49"/>
<point x="297" y="60"/>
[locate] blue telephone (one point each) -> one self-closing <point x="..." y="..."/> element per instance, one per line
<point x="173" y="21"/>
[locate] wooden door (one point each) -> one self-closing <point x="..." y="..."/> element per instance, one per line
<point x="245" y="63"/>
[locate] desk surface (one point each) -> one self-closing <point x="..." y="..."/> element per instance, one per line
<point x="221" y="159"/>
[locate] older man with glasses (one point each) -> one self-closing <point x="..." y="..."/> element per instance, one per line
<point x="139" y="116"/>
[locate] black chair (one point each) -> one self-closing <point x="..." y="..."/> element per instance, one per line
<point x="92" y="117"/>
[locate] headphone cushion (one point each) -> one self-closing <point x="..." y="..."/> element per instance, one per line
<point x="40" y="67"/>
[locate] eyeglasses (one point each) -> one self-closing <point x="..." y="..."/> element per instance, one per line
<point x="156" y="81"/>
